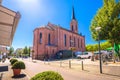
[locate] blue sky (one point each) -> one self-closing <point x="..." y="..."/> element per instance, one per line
<point x="35" y="13"/>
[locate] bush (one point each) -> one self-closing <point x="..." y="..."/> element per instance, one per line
<point x="18" y="65"/>
<point x="47" y="75"/>
<point x="12" y="61"/>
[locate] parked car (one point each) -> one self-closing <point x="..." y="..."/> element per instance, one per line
<point x="87" y="55"/>
<point x="104" y="54"/>
<point x="110" y="54"/>
<point x="63" y="54"/>
<point x="107" y="54"/>
<point x="77" y="53"/>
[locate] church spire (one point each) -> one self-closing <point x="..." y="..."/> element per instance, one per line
<point x="73" y="13"/>
<point x="73" y="23"/>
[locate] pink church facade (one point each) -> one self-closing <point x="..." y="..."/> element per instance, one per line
<point x="50" y="39"/>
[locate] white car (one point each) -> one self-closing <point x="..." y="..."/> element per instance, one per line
<point x="85" y="55"/>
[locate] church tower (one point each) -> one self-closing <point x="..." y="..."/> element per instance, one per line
<point x="73" y="23"/>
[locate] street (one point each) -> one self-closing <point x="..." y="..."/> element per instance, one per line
<point x="33" y="68"/>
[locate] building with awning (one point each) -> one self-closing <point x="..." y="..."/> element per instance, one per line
<point x="8" y="23"/>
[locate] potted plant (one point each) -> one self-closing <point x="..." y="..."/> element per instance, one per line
<point x="17" y="66"/>
<point x="12" y="61"/>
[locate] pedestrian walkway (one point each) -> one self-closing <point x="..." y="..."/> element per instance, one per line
<point x="8" y="74"/>
<point x="36" y="66"/>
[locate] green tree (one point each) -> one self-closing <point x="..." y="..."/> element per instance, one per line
<point x="25" y="51"/>
<point x="108" y="19"/>
<point x="11" y="50"/>
<point x="105" y="45"/>
<point x="29" y="51"/>
<point x="90" y="48"/>
<point x="94" y="47"/>
<point x="19" y="52"/>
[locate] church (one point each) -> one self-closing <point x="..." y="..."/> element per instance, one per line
<point x="51" y="38"/>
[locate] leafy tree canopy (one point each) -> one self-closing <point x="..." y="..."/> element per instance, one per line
<point x="11" y="50"/>
<point x="94" y="47"/>
<point x="25" y="50"/>
<point x="108" y="18"/>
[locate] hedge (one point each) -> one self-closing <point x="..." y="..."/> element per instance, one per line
<point x="47" y="75"/>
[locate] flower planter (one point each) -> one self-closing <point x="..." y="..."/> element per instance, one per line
<point x="17" y="66"/>
<point x="16" y="72"/>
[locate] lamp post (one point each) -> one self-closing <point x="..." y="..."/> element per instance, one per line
<point x="98" y="29"/>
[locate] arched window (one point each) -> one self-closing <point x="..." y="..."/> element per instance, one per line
<point x="81" y="43"/>
<point x="74" y="42"/>
<point x="40" y="37"/>
<point x="72" y="28"/>
<point x="53" y="51"/>
<point x="65" y="40"/>
<point x="78" y="43"/>
<point x="48" y="39"/>
<point x="70" y="41"/>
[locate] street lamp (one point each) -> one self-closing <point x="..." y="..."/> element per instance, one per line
<point x="98" y="29"/>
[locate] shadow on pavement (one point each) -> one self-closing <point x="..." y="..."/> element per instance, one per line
<point x="19" y="76"/>
<point x="86" y="70"/>
<point x="111" y="74"/>
<point x="3" y="68"/>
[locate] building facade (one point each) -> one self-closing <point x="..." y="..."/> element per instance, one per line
<point x="3" y="49"/>
<point x="50" y="39"/>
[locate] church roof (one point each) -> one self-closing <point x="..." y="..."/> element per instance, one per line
<point x="53" y="26"/>
<point x="70" y="31"/>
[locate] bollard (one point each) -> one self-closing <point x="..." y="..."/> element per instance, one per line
<point x="69" y="63"/>
<point x="60" y="63"/>
<point x="82" y="65"/>
<point x="44" y="61"/>
<point x="48" y="62"/>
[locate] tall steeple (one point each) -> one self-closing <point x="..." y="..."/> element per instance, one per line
<point x="73" y="23"/>
<point x="73" y="13"/>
